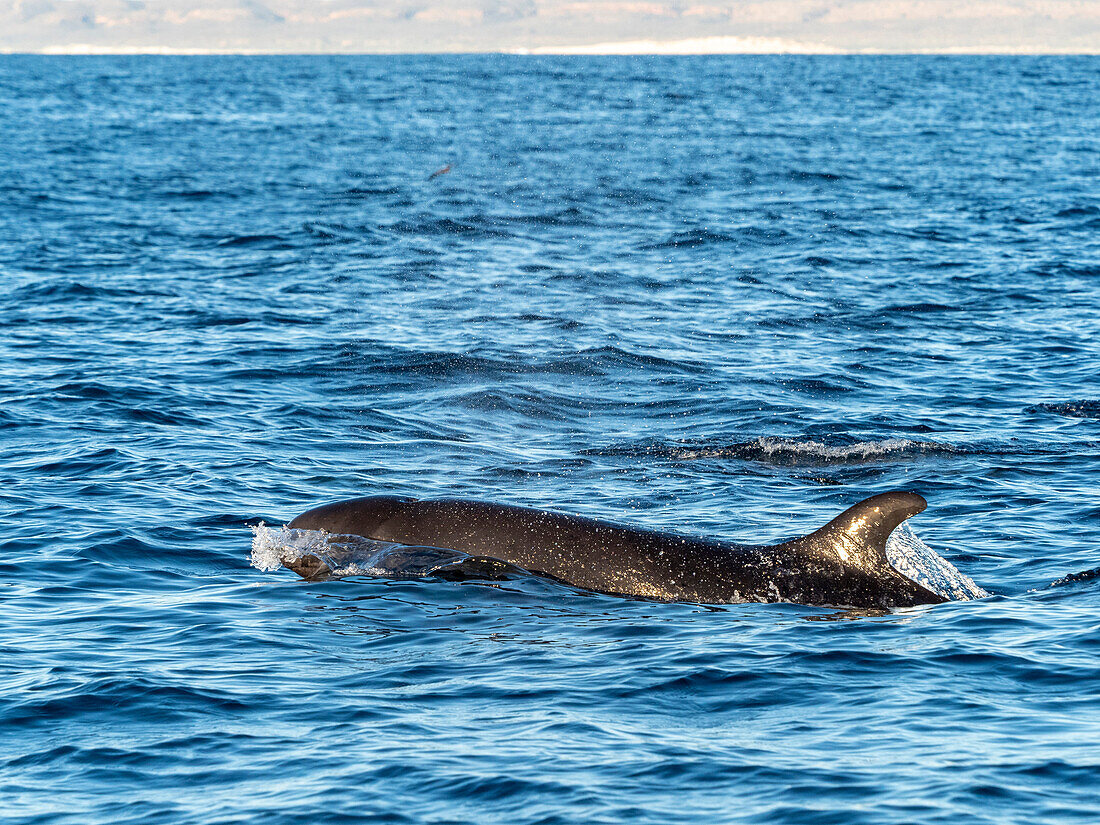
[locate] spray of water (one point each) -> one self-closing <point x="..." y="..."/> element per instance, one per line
<point x="917" y="561"/>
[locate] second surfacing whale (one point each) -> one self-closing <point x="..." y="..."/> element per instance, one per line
<point x="843" y="564"/>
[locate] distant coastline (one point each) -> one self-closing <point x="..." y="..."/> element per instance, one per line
<point x="687" y="47"/>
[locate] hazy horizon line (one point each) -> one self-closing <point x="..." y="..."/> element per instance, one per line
<point x="608" y="49"/>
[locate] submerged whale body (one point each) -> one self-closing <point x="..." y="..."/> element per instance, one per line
<point x="842" y="564"/>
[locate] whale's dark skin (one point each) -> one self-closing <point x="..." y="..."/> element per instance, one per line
<point x="842" y="564"/>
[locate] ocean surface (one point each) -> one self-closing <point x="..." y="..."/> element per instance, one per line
<point x="726" y="296"/>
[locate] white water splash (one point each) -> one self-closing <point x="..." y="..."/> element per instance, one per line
<point x="273" y="548"/>
<point x="793" y="449"/>
<point x="917" y="561"/>
<point x="347" y="555"/>
<point x="808" y="451"/>
<point x="270" y="546"/>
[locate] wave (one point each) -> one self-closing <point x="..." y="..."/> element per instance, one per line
<point x="1075" y="578"/>
<point x="371" y="191"/>
<point x="444" y="227"/>
<point x="101" y="696"/>
<point x="823" y="386"/>
<point x="924" y="308"/>
<point x="705" y="237"/>
<point x="600" y="360"/>
<point x="437" y="365"/>
<point x="251" y="240"/>
<point x="811" y="175"/>
<point x="569" y="216"/>
<point x="786" y="451"/>
<point x="692" y="238"/>
<point x="1078" y="212"/>
<point x="1086" y="408"/>
<point x="198" y="194"/>
<point x="73" y="291"/>
<point x="331" y="231"/>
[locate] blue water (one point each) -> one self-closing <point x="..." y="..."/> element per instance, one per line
<point x="727" y="296"/>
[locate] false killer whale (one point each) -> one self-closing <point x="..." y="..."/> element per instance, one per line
<point x="842" y="564"/>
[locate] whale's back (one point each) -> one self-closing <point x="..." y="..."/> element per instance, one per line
<point x="843" y="563"/>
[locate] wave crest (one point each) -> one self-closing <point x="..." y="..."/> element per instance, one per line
<point x="1085" y="408"/>
<point x="774" y="450"/>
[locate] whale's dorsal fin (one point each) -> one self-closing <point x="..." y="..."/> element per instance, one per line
<point x="859" y="534"/>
